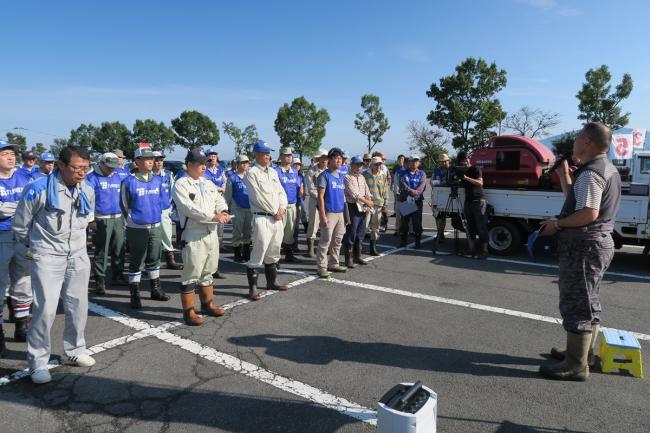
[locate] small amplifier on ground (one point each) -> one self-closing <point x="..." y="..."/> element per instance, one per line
<point x="408" y="408"/>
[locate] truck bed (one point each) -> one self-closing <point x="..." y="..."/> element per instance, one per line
<point x="632" y="220"/>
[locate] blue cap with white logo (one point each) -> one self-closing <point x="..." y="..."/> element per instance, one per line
<point x="6" y="145"/>
<point x="356" y="159"/>
<point x="48" y="157"/>
<point x="211" y="150"/>
<point x="262" y="147"/>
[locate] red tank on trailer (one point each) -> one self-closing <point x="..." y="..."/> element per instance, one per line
<point x="514" y="161"/>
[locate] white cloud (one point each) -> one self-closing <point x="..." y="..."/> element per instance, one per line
<point x="413" y="53"/>
<point x="552" y="6"/>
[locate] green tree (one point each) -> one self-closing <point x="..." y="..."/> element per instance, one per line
<point x="243" y="139"/>
<point x="112" y="135"/>
<point x="301" y="125"/>
<point x="465" y="102"/>
<point x="429" y="142"/>
<point x="160" y="136"/>
<point x="39" y="148"/>
<point x="564" y="144"/>
<point x="19" y="140"/>
<point x="596" y="101"/>
<point x="371" y="122"/>
<point x="194" y="129"/>
<point x="59" y="143"/>
<point x="83" y="137"/>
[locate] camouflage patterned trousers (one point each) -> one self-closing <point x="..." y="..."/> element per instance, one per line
<point x="582" y="263"/>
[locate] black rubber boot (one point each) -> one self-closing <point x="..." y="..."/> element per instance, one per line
<point x="100" y="286"/>
<point x="3" y="348"/>
<point x="217" y="276"/>
<point x="246" y="252"/>
<point x="120" y="280"/>
<point x="20" y="333"/>
<point x="288" y="256"/>
<point x="417" y="241"/>
<point x="136" y="303"/>
<point x="483" y="251"/>
<point x="305" y="226"/>
<point x="9" y="303"/>
<point x="171" y="261"/>
<point x="251" y="275"/>
<point x="157" y="294"/>
<point x="356" y="254"/>
<point x="402" y="240"/>
<point x="373" y="248"/>
<point x="348" y="257"/>
<point x="238" y="257"/>
<point x="271" y="273"/>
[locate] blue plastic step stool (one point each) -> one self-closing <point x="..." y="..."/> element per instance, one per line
<point x="618" y="344"/>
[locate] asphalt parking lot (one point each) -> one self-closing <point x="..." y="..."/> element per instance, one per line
<point x="318" y="357"/>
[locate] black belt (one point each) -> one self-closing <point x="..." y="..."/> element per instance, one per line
<point x="263" y="213"/>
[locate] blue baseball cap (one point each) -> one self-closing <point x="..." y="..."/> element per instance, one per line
<point x="6" y="145"/>
<point x="211" y="150"/>
<point x="540" y="246"/>
<point x="356" y="159"/>
<point x="262" y="147"/>
<point x="48" y="157"/>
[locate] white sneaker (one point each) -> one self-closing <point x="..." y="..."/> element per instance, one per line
<point x="81" y="360"/>
<point x="40" y="376"/>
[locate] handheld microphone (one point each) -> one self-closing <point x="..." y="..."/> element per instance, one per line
<point x="558" y="162"/>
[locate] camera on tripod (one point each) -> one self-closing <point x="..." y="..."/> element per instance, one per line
<point x="455" y="178"/>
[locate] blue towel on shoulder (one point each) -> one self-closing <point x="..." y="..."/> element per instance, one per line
<point x="53" y="194"/>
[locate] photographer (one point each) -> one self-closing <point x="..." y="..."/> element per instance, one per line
<point x="475" y="204"/>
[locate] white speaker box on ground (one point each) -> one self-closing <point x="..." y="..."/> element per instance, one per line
<point x="408" y="408"/>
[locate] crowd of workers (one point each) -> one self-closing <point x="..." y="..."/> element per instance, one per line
<point x="47" y="209"/>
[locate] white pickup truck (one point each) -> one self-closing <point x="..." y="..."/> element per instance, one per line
<point x="517" y="212"/>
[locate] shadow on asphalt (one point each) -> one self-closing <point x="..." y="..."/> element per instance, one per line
<point x="321" y="350"/>
<point x="79" y="399"/>
<point x="505" y="426"/>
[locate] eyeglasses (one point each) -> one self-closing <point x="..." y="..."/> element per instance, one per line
<point x="79" y="170"/>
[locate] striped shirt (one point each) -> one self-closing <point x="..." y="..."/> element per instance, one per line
<point x="378" y="187"/>
<point x="588" y="189"/>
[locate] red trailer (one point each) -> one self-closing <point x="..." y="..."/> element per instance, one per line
<point x="513" y="161"/>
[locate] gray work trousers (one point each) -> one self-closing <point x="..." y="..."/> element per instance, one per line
<point x="312" y="229"/>
<point x="55" y="277"/>
<point x="14" y="275"/>
<point x="242" y="225"/>
<point x="289" y="221"/>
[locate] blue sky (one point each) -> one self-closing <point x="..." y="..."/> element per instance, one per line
<point x="66" y="63"/>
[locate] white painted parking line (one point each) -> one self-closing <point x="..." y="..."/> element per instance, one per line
<point x="527" y="263"/>
<point x="459" y="303"/>
<point x="550" y="265"/>
<point x="230" y="362"/>
<point x="98" y="348"/>
<point x="145" y="331"/>
<point x="283" y="383"/>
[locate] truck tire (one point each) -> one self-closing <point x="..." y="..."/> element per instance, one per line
<point x="504" y="237"/>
